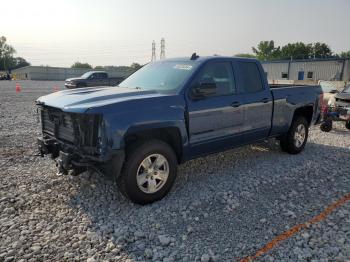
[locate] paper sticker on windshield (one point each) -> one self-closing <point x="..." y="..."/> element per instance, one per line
<point x="183" y="67"/>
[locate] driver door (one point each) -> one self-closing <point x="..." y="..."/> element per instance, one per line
<point x="214" y="120"/>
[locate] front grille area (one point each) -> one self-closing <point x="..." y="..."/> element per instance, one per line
<point x="58" y="124"/>
<point x="342" y="103"/>
<point x="80" y="130"/>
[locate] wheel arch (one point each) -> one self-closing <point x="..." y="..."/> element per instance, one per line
<point x="305" y="111"/>
<point x="170" y="135"/>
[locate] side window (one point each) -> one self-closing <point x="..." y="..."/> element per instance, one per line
<point x="221" y="73"/>
<point x="250" y="79"/>
<point x="103" y="75"/>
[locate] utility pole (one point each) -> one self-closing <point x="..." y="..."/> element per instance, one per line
<point x="162" y="48"/>
<point x="154" y="58"/>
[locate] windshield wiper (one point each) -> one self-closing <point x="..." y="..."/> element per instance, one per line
<point x="136" y="87"/>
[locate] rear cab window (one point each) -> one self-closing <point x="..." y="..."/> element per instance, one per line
<point x="103" y="75"/>
<point x="249" y="77"/>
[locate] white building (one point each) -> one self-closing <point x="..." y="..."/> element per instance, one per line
<point x="311" y="69"/>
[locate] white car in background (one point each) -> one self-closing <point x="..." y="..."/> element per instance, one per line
<point x="330" y="89"/>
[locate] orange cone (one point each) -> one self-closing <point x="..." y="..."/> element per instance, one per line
<point x="18" y="88"/>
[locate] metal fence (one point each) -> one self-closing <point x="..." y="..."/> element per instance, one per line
<point x="59" y="73"/>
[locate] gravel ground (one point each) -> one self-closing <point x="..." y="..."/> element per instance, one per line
<point x="223" y="207"/>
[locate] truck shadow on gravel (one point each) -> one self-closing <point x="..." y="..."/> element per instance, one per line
<point x="225" y="205"/>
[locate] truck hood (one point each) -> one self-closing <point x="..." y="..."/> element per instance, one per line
<point x="80" y="100"/>
<point x="74" y="79"/>
<point x="343" y="96"/>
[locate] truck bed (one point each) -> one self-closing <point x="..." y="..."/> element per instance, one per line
<point x="289" y="97"/>
<point x="288" y="85"/>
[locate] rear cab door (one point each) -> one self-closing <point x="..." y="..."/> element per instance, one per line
<point x="104" y="79"/>
<point x="98" y="79"/>
<point x="255" y="97"/>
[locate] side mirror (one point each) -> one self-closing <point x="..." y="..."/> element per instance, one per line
<point x="206" y="87"/>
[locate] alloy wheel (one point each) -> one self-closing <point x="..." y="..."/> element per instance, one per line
<point x="152" y="173"/>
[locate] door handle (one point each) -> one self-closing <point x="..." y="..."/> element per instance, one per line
<point x="236" y="104"/>
<point x="265" y="100"/>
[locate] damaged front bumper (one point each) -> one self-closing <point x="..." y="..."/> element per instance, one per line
<point x="71" y="160"/>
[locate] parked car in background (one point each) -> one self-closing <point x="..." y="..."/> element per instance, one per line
<point x="338" y="109"/>
<point x="5" y="76"/>
<point x="93" y="78"/>
<point x="329" y="90"/>
<point x="168" y="112"/>
<point x="342" y="105"/>
<point x="342" y="99"/>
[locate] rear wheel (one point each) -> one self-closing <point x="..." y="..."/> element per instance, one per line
<point x="326" y="126"/>
<point x="347" y="124"/>
<point x="149" y="172"/>
<point x="81" y="85"/>
<point x="294" y="141"/>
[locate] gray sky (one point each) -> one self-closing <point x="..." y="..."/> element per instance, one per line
<point x="119" y="32"/>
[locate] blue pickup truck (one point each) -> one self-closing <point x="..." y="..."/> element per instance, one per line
<point x="168" y="112"/>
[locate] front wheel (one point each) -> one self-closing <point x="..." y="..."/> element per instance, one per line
<point x="81" y="85"/>
<point x="294" y="141"/>
<point x="149" y="172"/>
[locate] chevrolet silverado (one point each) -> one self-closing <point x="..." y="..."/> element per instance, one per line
<point x="168" y="112"/>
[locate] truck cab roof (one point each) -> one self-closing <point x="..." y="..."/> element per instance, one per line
<point x="211" y="58"/>
<point x="92" y="72"/>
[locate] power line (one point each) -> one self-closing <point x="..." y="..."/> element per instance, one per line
<point x="162" y="49"/>
<point x="154" y="58"/>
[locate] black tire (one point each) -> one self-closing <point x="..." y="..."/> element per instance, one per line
<point x="288" y="142"/>
<point x="81" y="85"/>
<point x="326" y="126"/>
<point x="127" y="181"/>
<point x="347" y="124"/>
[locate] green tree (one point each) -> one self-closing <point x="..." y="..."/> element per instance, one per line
<point x="135" y="66"/>
<point x="6" y="54"/>
<point x="297" y="50"/>
<point x="19" y="62"/>
<point x="345" y="54"/>
<point x="245" y="55"/>
<point x="321" y="50"/>
<point x="99" y="68"/>
<point x="266" y="50"/>
<point x="81" y="65"/>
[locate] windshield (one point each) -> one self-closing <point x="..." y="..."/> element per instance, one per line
<point x="347" y="89"/>
<point x="161" y="75"/>
<point x="86" y="75"/>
